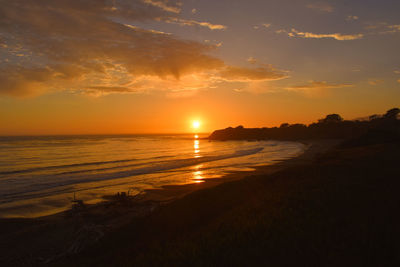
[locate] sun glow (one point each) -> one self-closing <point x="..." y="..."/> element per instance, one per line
<point x="196" y="124"/>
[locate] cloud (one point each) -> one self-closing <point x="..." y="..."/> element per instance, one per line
<point x="22" y="82"/>
<point x="231" y="73"/>
<point x="80" y="44"/>
<point x="185" y="22"/>
<point x="93" y="47"/>
<point x="383" y="28"/>
<point x="252" y="60"/>
<point x="318" y="88"/>
<point x="281" y="31"/>
<point x="264" y="25"/>
<point x="106" y="90"/>
<point x="143" y="30"/>
<point x="164" y="6"/>
<point x="350" y="18"/>
<point x="321" y="7"/>
<point x="375" y="82"/>
<point x="318" y="85"/>
<point x="393" y="28"/>
<point x="336" y="36"/>
<point x="215" y="43"/>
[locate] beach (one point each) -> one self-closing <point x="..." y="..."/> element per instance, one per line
<point x="331" y="206"/>
<point x="339" y="209"/>
<point x="48" y="239"/>
<point x="42" y="175"/>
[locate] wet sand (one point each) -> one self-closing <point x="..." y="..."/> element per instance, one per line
<point x="172" y="192"/>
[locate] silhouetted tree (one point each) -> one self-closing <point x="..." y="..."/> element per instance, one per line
<point x="331" y="118"/>
<point x="392" y="113"/>
<point x="374" y="117"/>
<point x="284" y="125"/>
<point x="379" y="127"/>
<point x="297" y="125"/>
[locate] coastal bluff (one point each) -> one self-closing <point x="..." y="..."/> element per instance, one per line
<point x="331" y="127"/>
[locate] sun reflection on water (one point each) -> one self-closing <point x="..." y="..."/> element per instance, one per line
<point x="198" y="174"/>
<point x="196" y="147"/>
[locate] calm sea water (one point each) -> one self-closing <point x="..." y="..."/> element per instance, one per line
<point x="39" y="175"/>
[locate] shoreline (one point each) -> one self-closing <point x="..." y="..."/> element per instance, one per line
<point x="169" y="193"/>
<point x="40" y="205"/>
<point x="84" y="226"/>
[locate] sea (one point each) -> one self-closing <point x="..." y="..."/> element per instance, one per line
<point x="41" y="175"/>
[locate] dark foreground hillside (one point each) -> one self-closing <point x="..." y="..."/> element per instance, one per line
<point x="341" y="210"/>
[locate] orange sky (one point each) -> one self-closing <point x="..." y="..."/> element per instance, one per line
<point x="146" y="66"/>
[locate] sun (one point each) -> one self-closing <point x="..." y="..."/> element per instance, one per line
<point x="196" y="124"/>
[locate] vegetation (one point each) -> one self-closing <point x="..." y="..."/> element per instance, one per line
<point x="332" y="126"/>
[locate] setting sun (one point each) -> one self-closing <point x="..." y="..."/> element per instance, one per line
<point x="196" y="124"/>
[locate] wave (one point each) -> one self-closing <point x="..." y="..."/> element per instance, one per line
<point x="66" y="166"/>
<point x="51" y="182"/>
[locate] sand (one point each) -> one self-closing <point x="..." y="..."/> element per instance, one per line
<point x="51" y="238"/>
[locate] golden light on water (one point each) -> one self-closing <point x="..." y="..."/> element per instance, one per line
<point x="196" y="147"/>
<point x="198" y="174"/>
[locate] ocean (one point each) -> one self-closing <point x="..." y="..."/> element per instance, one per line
<point x="40" y="175"/>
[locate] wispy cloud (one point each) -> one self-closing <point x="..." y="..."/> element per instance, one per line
<point x="164" y="5"/>
<point x="264" y="25"/>
<point x="107" y="90"/>
<point x="351" y="18"/>
<point x="383" y="28"/>
<point x="394" y="28"/>
<point x="336" y="36"/>
<point x="317" y="89"/>
<point x="144" y="31"/>
<point x="318" y="85"/>
<point x="252" y="60"/>
<point x="374" y="82"/>
<point x="215" y="43"/>
<point x="321" y="7"/>
<point x="231" y="73"/>
<point x="185" y="22"/>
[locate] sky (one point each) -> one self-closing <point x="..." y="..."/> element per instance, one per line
<point x="155" y="66"/>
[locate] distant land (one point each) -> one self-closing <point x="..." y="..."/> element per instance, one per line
<point x="333" y="126"/>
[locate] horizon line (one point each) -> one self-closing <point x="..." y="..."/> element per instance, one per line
<point x="99" y="134"/>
